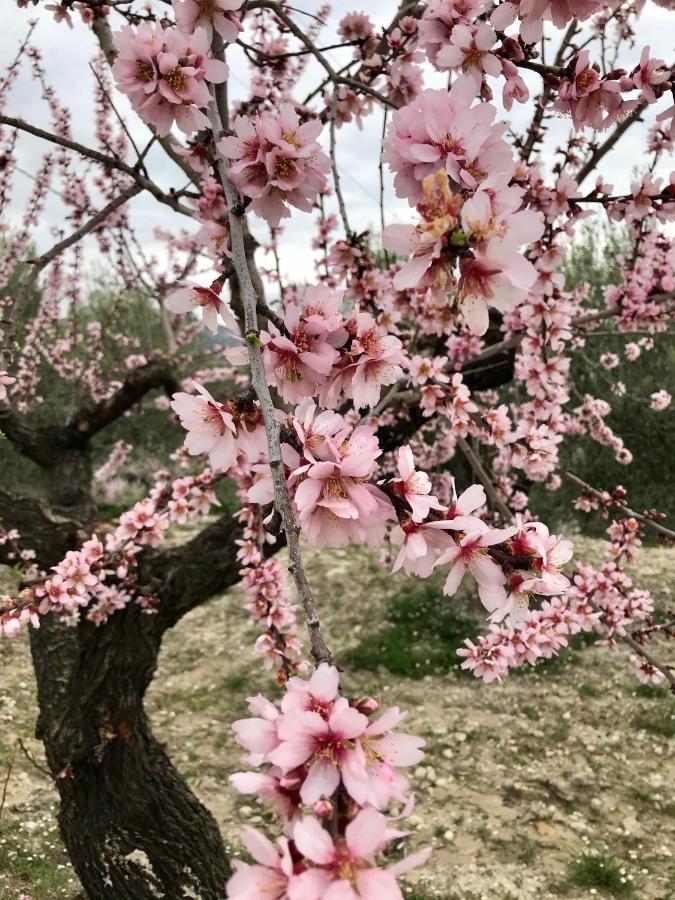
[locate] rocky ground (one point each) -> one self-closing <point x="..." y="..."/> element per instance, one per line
<point x="556" y="783"/>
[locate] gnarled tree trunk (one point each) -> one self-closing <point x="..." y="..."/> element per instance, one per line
<point x="131" y="825"/>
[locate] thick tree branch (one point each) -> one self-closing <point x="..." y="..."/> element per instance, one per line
<point x="190" y="574"/>
<point x="158" y="373"/>
<point x="25" y="437"/>
<point x="50" y="535"/>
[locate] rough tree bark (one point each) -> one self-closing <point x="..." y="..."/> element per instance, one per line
<point x="131" y="825"/>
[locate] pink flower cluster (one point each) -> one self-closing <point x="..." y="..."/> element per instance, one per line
<point x="328" y="755"/>
<point x="451" y="160"/>
<point x="511" y="566"/>
<point x="276" y="161"/>
<point x="210" y="15"/>
<point x="596" y="102"/>
<point x="442" y="130"/>
<point x="165" y="74"/>
<point x="329" y="480"/>
<point x="533" y="13"/>
<point x="610" y="590"/>
<point x="221" y="430"/>
<point x="646" y="673"/>
<point x="342" y="869"/>
<point x="323" y="353"/>
<point x="101" y="577"/>
<point x="321" y="741"/>
<point x="467" y="244"/>
<point x="116" y="459"/>
<point x="542" y="634"/>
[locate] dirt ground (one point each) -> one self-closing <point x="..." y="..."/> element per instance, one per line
<point x="557" y="783"/>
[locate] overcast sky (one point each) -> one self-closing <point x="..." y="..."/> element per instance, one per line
<point x="66" y="58"/>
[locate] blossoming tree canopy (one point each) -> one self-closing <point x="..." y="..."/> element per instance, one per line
<point x="340" y="402"/>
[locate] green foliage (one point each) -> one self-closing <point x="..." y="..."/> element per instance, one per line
<point x="650" y="691"/>
<point x="421" y="635"/>
<point x="594" y="258"/>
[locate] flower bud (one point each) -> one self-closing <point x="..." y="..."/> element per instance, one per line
<point x="367" y="705"/>
<point x="323" y="808"/>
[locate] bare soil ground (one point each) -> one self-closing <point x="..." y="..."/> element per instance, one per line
<point x="557" y="783"/>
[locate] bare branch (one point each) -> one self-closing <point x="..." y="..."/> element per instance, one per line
<point x="605" y="147"/>
<point x="336" y="174"/>
<point x="484" y="479"/>
<point x="639" y="649"/>
<point x="154" y="374"/>
<point x="111" y="162"/>
<point x="333" y="76"/>
<point x="86" y="228"/>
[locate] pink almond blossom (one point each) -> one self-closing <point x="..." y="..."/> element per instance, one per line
<point x="210" y="427"/>
<point x="209" y="14"/>
<point x="469" y="50"/>
<point x="194" y="296"/>
<point x="413" y="486"/>
<point x="471" y="553"/>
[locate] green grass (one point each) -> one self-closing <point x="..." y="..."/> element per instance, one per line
<point x="43" y="873"/>
<point x="601" y="872"/>
<point x="526" y="850"/>
<point x="650" y="691"/>
<point x="660" y="723"/>
<point x="422" y="632"/>
<point x="236" y="682"/>
<point x="586" y="689"/>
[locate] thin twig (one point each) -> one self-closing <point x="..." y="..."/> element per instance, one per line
<point x="381" y="174"/>
<point x="624" y="511"/>
<point x="10" y="766"/>
<point x="336" y="174"/>
<point x="639" y="649"/>
<point x="605" y="147"/>
<point x="334" y="76"/>
<point x="119" y="118"/>
<point x="282" y="500"/>
<point x="86" y="228"/>
<point x="104" y="159"/>
<point x="484" y="479"/>
<point x="31" y="759"/>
